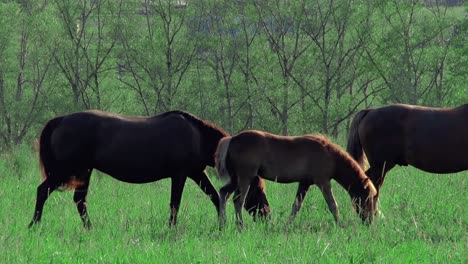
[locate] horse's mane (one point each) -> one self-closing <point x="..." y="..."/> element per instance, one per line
<point x="202" y="124"/>
<point x="319" y="137"/>
<point x="346" y="159"/>
<point x="344" y="156"/>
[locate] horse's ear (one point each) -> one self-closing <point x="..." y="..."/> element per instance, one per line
<point x="368" y="184"/>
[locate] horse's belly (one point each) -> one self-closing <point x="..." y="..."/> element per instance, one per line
<point x="441" y="168"/>
<point x="286" y="177"/>
<point x="134" y="174"/>
<point x="438" y="162"/>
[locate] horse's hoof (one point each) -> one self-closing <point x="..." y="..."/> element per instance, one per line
<point x="341" y="225"/>
<point x="32" y="224"/>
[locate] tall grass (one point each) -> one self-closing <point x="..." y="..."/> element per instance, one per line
<point x="425" y="221"/>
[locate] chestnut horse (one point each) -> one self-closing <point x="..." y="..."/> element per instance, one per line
<point x="172" y="145"/>
<point x="305" y="159"/>
<point x="431" y="139"/>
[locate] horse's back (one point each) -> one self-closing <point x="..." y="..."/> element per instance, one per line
<point x="438" y="139"/>
<point x="431" y="139"/>
<point x="132" y="149"/>
<point x="154" y="147"/>
<point x="247" y="147"/>
<point x="279" y="158"/>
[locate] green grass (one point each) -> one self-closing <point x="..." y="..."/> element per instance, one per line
<point x="425" y="222"/>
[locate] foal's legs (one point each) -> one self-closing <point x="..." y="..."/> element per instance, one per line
<point x="79" y="198"/>
<point x="224" y="194"/>
<point x="202" y="180"/>
<point x="43" y="192"/>
<point x="328" y="194"/>
<point x="177" y="186"/>
<point x="300" y="194"/>
<point x="239" y="200"/>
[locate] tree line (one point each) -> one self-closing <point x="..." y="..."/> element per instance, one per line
<point x="289" y="67"/>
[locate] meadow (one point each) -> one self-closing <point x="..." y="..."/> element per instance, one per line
<point x="424" y="221"/>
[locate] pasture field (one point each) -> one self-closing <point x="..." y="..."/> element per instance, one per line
<point x="425" y="221"/>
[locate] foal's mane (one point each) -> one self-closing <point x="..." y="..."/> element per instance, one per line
<point x="339" y="152"/>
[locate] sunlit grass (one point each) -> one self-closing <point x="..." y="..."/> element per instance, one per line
<point x="425" y="222"/>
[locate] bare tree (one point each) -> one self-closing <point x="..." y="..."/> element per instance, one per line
<point x="20" y="100"/>
<point x="249" y="30"/>
<point x="81" y="55"/>
<point x="329" y="26"/>
<point x="164" y="58"/>
<point x="440" y="49"/>
<point x="220" y="49"/>
<point x="404" y="55"/>
<point x="281" y="21"/>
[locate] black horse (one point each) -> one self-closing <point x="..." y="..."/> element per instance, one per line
<point x="434" y="140"/>
<point x="172" y="145"/>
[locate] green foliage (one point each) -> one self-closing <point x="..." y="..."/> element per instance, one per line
<point x="286" y="67"/>
<point x="413" y="44"/>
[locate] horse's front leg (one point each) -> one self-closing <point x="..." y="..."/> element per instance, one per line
<point x="300" y="195"/>
<point x="256" y="202"/>
<point x="177" y="187"/>
<point x="330" y="199"/>
<point x="202" y="180"/>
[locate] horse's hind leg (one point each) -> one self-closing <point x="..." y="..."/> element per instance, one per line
<point x="43" y="192"/>
<point x="224" y="194"/>
<point x="79" y="198"/>
<point x="177" y="187"/>
<point x="239" y="201"/>
<point x="300" y="194"/>
<point x="377" y="173"/>
<point x="202" y="180"/>
<point x="330" y="199"/>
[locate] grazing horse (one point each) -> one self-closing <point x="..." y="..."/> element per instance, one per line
<point x="305" y="159"/>
<point x="172" y="145"/>
<point x="431" y="139"/>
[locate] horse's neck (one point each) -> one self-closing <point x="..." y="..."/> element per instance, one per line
<point x="348" y="177"/>
<point x="463" y="110"/>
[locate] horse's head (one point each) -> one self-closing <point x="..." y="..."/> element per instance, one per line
<point x="256" y="201"/>
<point x="364" y="203"/>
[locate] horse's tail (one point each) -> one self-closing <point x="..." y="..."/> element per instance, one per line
<point x="354" y="147"/>
<point x="220" y="158"/>
<point x="46" y="156"/>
